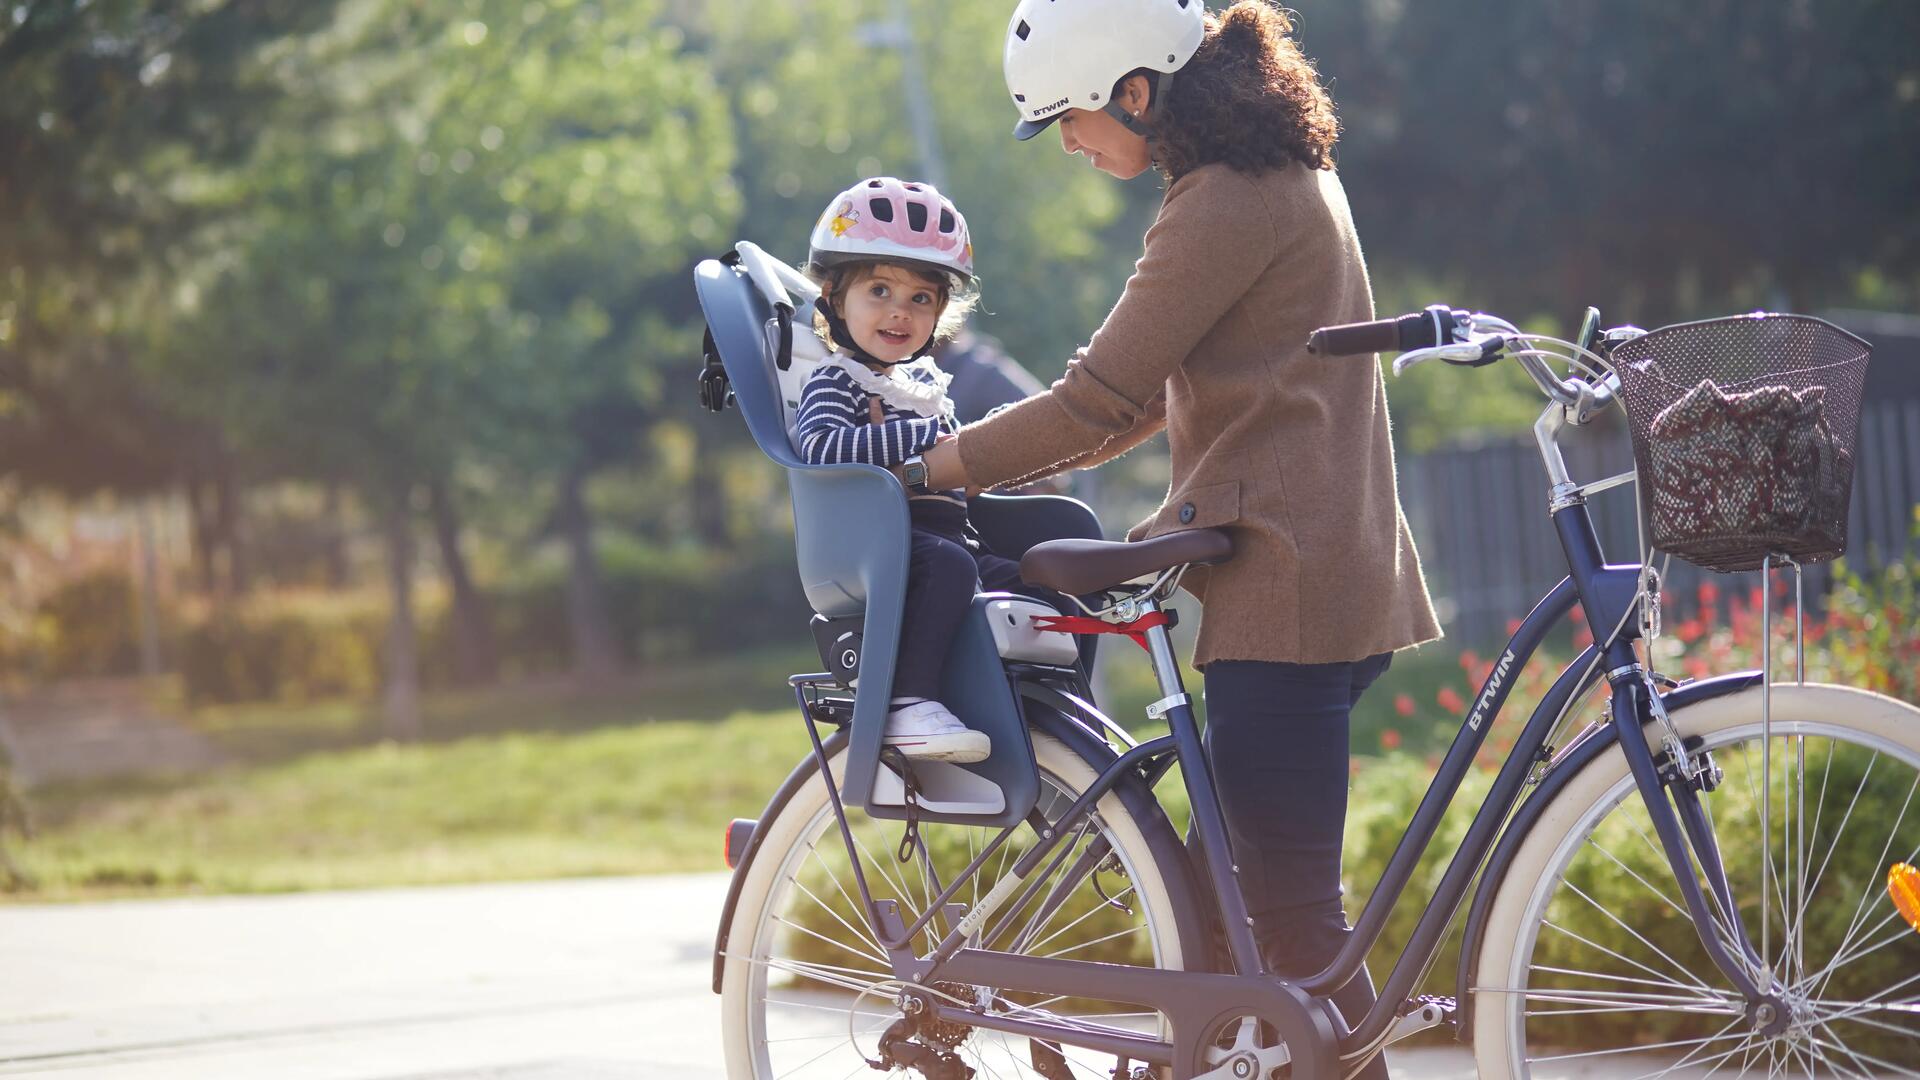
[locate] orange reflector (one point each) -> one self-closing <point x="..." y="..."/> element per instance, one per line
<point x="739" y="832"/>
<point x="1903" y="885"/>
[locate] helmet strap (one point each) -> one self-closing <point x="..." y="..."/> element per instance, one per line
<point x="843" y="336"/>
<point x="1157" y="91"/>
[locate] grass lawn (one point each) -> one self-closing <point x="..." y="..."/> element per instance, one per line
<point x="524" y="782"/>
<point x="617" y="800"/>
<point x="521" y="782"/>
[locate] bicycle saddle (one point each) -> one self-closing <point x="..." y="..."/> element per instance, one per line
<point x="1079" y="567"/>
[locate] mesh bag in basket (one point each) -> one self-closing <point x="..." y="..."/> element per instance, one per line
<point x="1743" y="432"/>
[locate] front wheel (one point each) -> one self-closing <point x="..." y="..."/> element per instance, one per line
<point x="806" y="988"/>
<point x="1591" y="965"/>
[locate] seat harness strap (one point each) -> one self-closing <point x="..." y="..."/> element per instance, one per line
<point x="1087" y="624"/>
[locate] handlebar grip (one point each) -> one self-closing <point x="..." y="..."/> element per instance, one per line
<point x="1420" y="330"/>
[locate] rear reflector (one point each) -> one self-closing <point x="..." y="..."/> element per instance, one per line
<point x="739" y="831"/>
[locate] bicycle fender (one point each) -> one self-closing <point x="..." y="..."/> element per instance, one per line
<point x="1582" y="751"/>
<point x="801" y="773"/>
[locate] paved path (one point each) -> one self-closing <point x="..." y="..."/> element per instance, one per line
<point x="573" y="980"/>
<point x="99" y="727"/>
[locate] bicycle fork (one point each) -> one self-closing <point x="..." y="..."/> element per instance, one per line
<point x="1671" y="789"/>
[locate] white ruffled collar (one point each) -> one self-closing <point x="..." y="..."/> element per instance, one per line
<point x="922" y="397"/>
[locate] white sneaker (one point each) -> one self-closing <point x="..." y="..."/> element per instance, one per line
<point x="926" y="729"/>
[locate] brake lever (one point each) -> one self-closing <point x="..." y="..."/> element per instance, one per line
<point x="1463" y="353"/>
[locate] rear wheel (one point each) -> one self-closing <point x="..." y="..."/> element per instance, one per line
<point x="1591" y="966"/>
<point x="806" y="987"/>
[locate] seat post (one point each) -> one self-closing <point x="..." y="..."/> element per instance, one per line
<point x="1166" y="669"/>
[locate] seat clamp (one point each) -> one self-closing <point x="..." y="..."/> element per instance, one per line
<point x="1159" y="708"/>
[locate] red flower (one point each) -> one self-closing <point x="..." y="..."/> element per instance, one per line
<point x="1450" y="699"/>
<point x="1709" y="594"/>
<point x="1468" y="658"/>
<point x="1513" y="627"/>
<point x="1695" y="667"/>
<point x="1403" y="704"/>
<point x="1690" y="630"/>
<point x="1577" y="615"/>
<point x="1389" y="739"/>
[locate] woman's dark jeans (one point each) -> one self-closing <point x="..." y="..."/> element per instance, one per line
<point x="1277" y="741"/>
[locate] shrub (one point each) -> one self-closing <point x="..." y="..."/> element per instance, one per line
<point x="88" y="627"/>
<point x="290" y="649"/>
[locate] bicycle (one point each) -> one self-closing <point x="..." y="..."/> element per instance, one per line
<point x="1080" y="941"/>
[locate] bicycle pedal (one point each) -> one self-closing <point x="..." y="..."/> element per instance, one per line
<point x="1420" y="1013"/>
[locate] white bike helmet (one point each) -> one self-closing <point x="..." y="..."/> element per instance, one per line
<point x="897" y="221"/>
<point x="1067" y="54"/>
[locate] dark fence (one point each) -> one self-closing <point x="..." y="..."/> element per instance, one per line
<point x="1479" y="515"/>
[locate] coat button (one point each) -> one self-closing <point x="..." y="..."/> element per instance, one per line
<point x="1186" y="513"/>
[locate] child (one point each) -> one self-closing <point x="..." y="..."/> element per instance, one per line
<point x="890" y="256"/>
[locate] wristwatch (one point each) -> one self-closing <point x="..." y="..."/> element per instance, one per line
<point x="913" y="473"/>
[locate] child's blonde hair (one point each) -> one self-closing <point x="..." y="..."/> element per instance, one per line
<point x="955" y="303"/>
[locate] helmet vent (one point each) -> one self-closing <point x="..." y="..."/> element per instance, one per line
<point x="946" y="220"/>
<point x="1023" y="29"/>
<point x="916" y="217"/>
<point x="1021" y="98"/>
<point x="881" y="208"/>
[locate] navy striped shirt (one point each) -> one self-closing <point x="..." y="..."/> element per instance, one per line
<point x="835" y="426"/>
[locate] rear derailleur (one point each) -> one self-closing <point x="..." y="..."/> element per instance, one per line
<point x="920" y="1041"/>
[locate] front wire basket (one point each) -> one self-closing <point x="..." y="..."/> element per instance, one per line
<point x="1743" y="431"/>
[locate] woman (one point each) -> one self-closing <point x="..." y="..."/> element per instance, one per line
<point x="1253" y="248"/>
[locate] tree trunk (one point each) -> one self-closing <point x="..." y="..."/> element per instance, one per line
<point x="150" y="661"/>
<point x="403" y="660"/>
<point x="231" y="531"/>
<point x="475" y="655"/>
<point x="708" y="497"/>
<point x="594" y="654"/>
<point x="336" y="538"/>
<point x="200" y="518"/>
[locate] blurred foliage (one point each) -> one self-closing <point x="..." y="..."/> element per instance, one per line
<point x="378" y="248"/>
<point x="87" y="627"/>
<point x="298" y="648"/>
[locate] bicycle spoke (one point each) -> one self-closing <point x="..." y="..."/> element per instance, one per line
<point x="1617" y="921"/>
<point x="1859" y="1057"/>
<point x="1095" y="941"/>
<point x="1873" y="889"/>
<point x="1550" y="924"/>
<point x="822" y="937"/>
<point x="1845" y="818"/>
<point x="1637" y="1049"/>
<point x="1635" y="875"/>
<point x="1688" y="1057"/>
<point x="1858" y="1018"/>
<point x="864" y="936"/>
<point x="1610" y="977"/>
<point x="1088" y="914"/>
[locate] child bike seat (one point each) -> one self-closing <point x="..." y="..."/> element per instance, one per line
<point x="1079" y="567"/>
<point x="851" y="542"/>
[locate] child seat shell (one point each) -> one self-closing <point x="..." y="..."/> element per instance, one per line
<point x="851" y="537"/>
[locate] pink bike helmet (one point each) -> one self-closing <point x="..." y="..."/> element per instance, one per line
<point x="899" y="221"/>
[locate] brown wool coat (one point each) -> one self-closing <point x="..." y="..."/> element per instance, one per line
<point x="1288" y="452"/>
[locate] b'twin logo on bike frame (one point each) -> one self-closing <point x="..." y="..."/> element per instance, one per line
<point x="1493" y="687"/>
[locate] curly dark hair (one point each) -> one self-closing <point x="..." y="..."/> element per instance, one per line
<point x="1248" y="98"/>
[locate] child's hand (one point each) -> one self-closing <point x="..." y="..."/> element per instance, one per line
<point x="875" y="413"/>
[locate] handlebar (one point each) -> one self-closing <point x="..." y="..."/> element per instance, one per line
<point x="1438" y="325"/>
<point x="1473" y="339"/>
